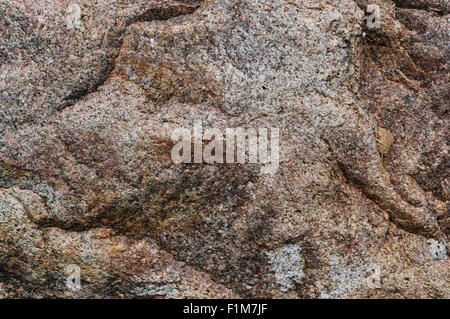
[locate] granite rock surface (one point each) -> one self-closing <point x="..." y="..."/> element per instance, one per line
<point x="90" y="92"/>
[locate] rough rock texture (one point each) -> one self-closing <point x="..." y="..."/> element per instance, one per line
<point x="91" y="90"/>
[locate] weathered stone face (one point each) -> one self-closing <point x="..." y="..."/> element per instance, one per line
<point x="91" y="91"/>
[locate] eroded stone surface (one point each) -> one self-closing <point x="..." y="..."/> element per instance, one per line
<point x="90" y="92"/>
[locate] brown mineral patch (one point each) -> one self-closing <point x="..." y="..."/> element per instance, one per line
<point x="384" y="141"/>
<point x="164" y="80"/>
